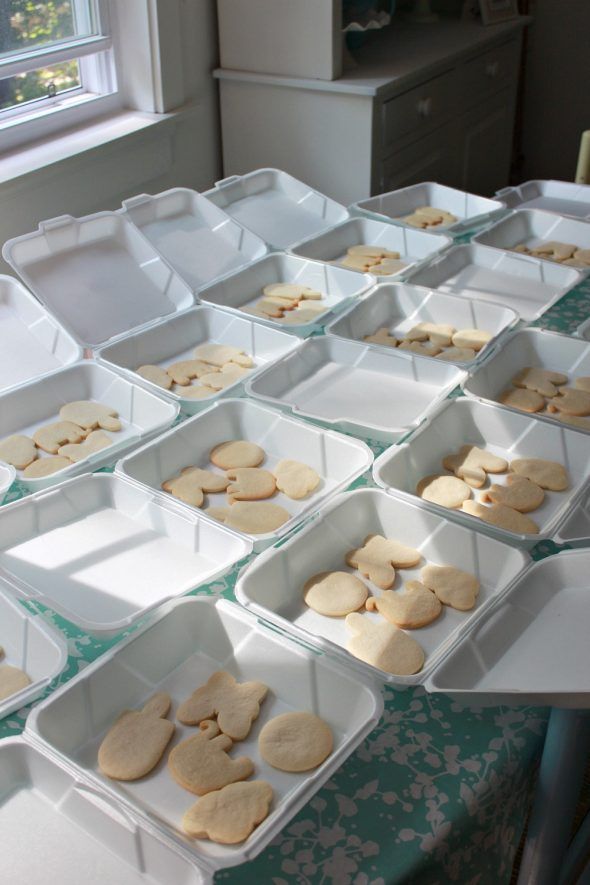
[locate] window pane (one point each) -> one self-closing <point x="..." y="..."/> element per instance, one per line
<point x="40" y="84"/>
<point x="26" y="24"/>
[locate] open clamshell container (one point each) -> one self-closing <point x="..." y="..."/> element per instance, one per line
<point x="33" y="342"/>
<point x="505" y="433"/>
<point x="97" y="275"/>
<point x="529" y="347"/>
<point x="56" y="824"/>
<point x="28" y="642"/>
<point x="380" y="393"/>
<point x="275" y="206"/>
<point x="272" y="586"/>
<point x="399" y="307"/>
<point x="415" y="247"/>
<point x="561" y="197"/>
<point x="337" y="459"/>
<point x="470" y="210"/>
<point x="531" y="227"/>
<point x="142" y="414"/>
<point x="175" y="652"/>
<point x="102" y="551"/>
<point x="337" y="285"/>
<point x="522" y="283"/>
<point x="195" y="237"/>
<point x="175" y="339"/>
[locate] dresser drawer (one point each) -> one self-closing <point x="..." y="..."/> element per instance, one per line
<point x="419" y="110"/>
<point x="433" y="158"/>
<point x="488" y="73"/>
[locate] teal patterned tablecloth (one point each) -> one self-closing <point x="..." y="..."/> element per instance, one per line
<point x="437" y="793"/>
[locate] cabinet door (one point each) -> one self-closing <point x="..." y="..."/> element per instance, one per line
<point x="432" y="158"/>
<point x="486" y="134"/>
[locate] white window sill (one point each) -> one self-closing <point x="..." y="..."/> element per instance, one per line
<point x="54" y="149"/>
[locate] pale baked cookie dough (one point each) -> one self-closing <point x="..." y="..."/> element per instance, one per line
<point x="452" y="586"/>
<point x="519" y="493"/>
<point x="294" y="479"/>
<point x="51" y="436"/>
<point x="335" y="594"/>
<point x="550" y="475"/>
<point x="384" y="645"/>
<point x="503" y="517"/>
<point x="414" y="608"/>
<point x="136" y="741"/>
<point x="90" y="415"/>
<point x="250" y="484"/>
<point x="156" y="375"/>
<point x="230" y="815"/>
<point x="235" y="704"/>
<point x="237" y="453"/>
<point x="200" y="763"/>
<point x="378" y="558"/>
<point x="94" y="442"/>
<point x="12" y="680"/>
<point x="473" y="464"/>
<point x="251" y="517"/>
<point x="448" y="491"/>
<point x="295" y="742"/>
<point x="523" y="400"/>
<point x="18" y="450"/>
<point x="47" y="466"/>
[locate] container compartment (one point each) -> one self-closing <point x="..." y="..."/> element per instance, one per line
<point x="400" y="307"/>
<point x="524" y="284"/>
<point x="196" y="238"/>
<point x="33" y="343"/>
<point x="243" y="289"/>
<point x="470" y="210"/>
<point x="179" y="650"/>
<point x="531" y="646"/>
<point x="501" y="431"/>
<point x="272" y="586"/>
<point x="414" y="246"/>
<point x="37" y="403"/>
<point x="560" y="197"/>
<point x="357" y="388"/>
<point x="30" y="644"/>
<point x="531" y="347"/>
<point x="77" y="831"/>
<point x="276" y="206"/>
<point x="103" y="551"/>
<point x="175" y="339"/>
<point x="97" y="275"/>
<point x="338" y="459"/>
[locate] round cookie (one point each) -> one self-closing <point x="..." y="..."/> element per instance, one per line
<point x="18" y="450"/>
<point x="523" y="399"/>
<point x="452" y="586"/>
<point x="294" y="479"/>
<point x="475" y="339"/>
<point x="46" y="466"/>
<point x="417" y="607"/>
<point x="237" y="453"/>
<point x="549" y="475"/>
<point x="295" y="741"/>
<point x="519" y="493"/>
<point x="335" y="594"/>
<point x="448" y="491"/>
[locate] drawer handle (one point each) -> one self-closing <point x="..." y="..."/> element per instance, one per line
<point x="424" y="107"/>
<point x="492" y="69"/>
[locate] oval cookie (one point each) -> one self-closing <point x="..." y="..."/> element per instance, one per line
<point x="335" y="594"/>
<point x="448" y="491"/>
<point x="237" y="453"/>
<point x="295" y="741"/>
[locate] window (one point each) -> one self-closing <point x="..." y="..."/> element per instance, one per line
<point x="56" y="66"/>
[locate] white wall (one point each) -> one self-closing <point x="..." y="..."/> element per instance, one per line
<point x="183" y="151"/>
<point x="556" y="106"/>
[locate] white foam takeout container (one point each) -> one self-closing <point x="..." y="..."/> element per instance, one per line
<point x="32" y="342"/>
<point x="560" y="197"/>
<point x="532" y="227"/>
<point x="415" y="247"/>
<point x="97" y="275"/>
<point x="529" y="347"/>
<point x="7" y="477"/>
<point x="195" y="237"/>
<point x="175" y="652"/>
<point x="32" y="645"/>
<point x="276" y="206"/>
<point x="25" y="409"/>
<point x="102" y="551"/>
<point x="503" y="432"/>
<point x="175" y="339"/>
<point x="272" y="586"/>
<point x="400" y="306"/>
<point x="583" y="330"/>
<point x="381" y="394"/>
<point x="243" y="289"/>
<point x="481" y="273"/>
<point x="337" y="459"/>
<point x="76" y="827"/>
<point x="470" y="210"/>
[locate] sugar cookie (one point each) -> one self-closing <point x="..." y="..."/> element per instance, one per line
<point x="307" y="314"/>
<point x="523" y="399"/>
<point x="18" y="450"/>
<point x="372" y="251"/>
<point x="543" y="381"/>
<point x="295" y="741"/>
<point x="474" y="339"/>
<point x="237" y="453"/>
<point x="191" y="482"/>
<point x="437" y="333"/>
<point x="228" y="816"/>
<point x="582" y="383"/>
<point x="361" y="263"/>
<point x="235" y="704"/>
<point x="294" y="479"/>
<point x="293" y="290"/>
<point x="448" y="491"/>
<point x="252" y="517"/>
<point x="12" y="679"/>
<point x="383" y="645"/>
<point x="250" y="484"/>
<point x="184" y="371"/>
<point x="572" y="401"/>
<point x="51" y="437"/>
<point x="457" y="355"/>
<point x="414" y="608"/>
<point x="520" y="493"/>
<point x="452" y="586"/>
<point x="387" y="266"/>
<point x="200" y="764"/>
<point x="378" y="558"/>
<point x="94" y="442"/>
<point x="47" y="466"/>
<point x="136" y="741"/>
<point x="225" y="377"/>
<point x="220" y="354"/>
<point x="90" y="415"/>
<point x="335" y="594"/>
<point x="503" y="517"/>
<point x="156" y="375"/>
<point x="549" y="475"/>
<point x="423" y="348"/>
<point x="472" y="464"/>
<point x="382" y="337"/>
<point x="195" y="391"/>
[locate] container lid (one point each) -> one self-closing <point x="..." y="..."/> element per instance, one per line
<point x="561" y="197"/>
<point x="531" y="645"/>
<point x="98" y="275"/>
